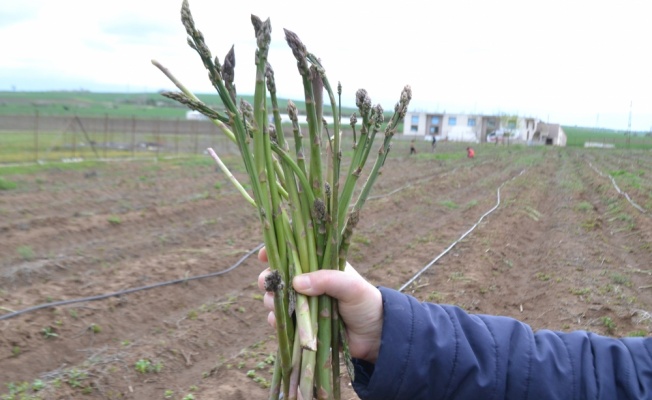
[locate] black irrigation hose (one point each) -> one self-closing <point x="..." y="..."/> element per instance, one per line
<point x="132" y="290"/>
<point x="418" y="274"/>
<point x="237" y="264"/>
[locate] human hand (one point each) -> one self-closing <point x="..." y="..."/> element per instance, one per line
<point x="359" y="302"/>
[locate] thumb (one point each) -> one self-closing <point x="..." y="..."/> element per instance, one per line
<point x="345" y="286"/>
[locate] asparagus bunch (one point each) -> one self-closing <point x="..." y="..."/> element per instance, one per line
<point x="306" y="219"/>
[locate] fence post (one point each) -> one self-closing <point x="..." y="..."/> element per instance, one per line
<point x="74" y="142"/>
<point x="158" y="136"/>
<point x="36" y="138"/>
<point x="106" y="129"/>
<point x="133" y="136"/>
<point x="176" y="138"/>
<point x="194" y="129"/>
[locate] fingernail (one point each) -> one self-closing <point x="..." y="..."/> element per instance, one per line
<point x="301" y="282"/>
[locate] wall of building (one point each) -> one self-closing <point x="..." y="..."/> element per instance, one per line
<point x="463" y="130"/>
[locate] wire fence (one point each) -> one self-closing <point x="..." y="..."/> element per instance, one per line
<point x="41" y="139"/>
<point x="54" y="138"/>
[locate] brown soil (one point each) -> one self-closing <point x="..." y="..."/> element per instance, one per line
<point x="563" y="251"/>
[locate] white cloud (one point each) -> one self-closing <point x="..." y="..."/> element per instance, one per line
<point x="574" y="62"/>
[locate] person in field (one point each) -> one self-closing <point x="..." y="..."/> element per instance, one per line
<point x="413" y="149"/>
<point x="406" y="349"/>
<point x="470" y="153"/>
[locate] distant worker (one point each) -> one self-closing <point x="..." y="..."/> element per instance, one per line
<point x="434" y="142"/>
<point x="470" y="153"/>
<point x="413" y="150"/>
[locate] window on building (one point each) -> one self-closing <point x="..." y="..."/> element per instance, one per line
<point x="414" y="128"/>
<point x="415" y="120"/>
<point x="452" y="120"/>
<point x="434" y="130"/>
<point x="511" y="125"/>
<point x="434" y="120"/>
<point x="491" y="123"/>
<point x="470" y="122"/>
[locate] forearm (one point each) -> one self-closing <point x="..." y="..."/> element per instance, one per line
<point x="431" y="351"/>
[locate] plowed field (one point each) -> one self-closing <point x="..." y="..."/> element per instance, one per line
<point x="562" y="250"/>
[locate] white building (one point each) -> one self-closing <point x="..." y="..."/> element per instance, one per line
<point x="476" y="128"/>
<point x="196" y="115"/>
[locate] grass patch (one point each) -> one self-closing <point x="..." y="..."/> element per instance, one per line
<point x="114" y="220"/>
<point x="620" y="279"/>
<point x="361" y="239"/>
<point x="542" y="276"/>
<point x="608" y="323"/>
<point x="446" y="156"/>
<point x="580" y="291"/>
<point x="577" y="136"/>
<point x="7" y="185"/>
<point x="449" y="204"/>
<point x="584" y="206"/>
<point x="25" y="252"/>
<point x="591" y="224"/>
<point x="50" y="166"/>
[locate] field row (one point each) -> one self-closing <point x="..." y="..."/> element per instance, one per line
<point x="563" y="250"/>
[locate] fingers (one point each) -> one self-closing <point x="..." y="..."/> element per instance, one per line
<point x="262" y="255"/>
<point x="268" y="301"/>
<point x="271" y="319"/>
<point x="268" y="298"/>
<point x="261" y="278"/>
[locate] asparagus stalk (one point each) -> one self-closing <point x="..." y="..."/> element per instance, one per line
<point x="305" y="218"/>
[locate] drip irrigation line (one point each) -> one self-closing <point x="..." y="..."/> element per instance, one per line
<point x="639" y="208"/>
<point x="431" y="263"/>
<point x="132" y="290"/>
<point x="418" y="180"/>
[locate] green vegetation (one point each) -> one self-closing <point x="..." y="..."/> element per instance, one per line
<point x="114" y="220"/>
<point x="621" y="279"/>
<point x="608" y="323"/>
<point x="144" y="366"/>
<point x="449" y="204"/>
<point x="95" y="328"/>
<point x="7" y="185"/>
<point x="26" y="253"/>
<point x="630" y="179"/>
<point x="577" y="136"/>
<point x="542" y="276"/>
<point x="23" y="390"/>
<point x="48" y="332"/>
<point x="51" y="166"/>
<point x="92" y="104"/>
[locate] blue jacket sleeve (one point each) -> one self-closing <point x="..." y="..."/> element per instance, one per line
<point x="431" y="351"/>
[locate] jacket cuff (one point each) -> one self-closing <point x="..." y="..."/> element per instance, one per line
<point x="384" y="379"/>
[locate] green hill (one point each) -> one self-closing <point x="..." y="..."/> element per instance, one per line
<point x="91" y="104"/>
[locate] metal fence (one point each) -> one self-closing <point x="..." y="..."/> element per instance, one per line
<point x="54" y="138"/>
<point x="38" y="138"/>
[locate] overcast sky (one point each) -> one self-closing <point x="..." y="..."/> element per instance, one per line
<point x="573" y="62"/>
